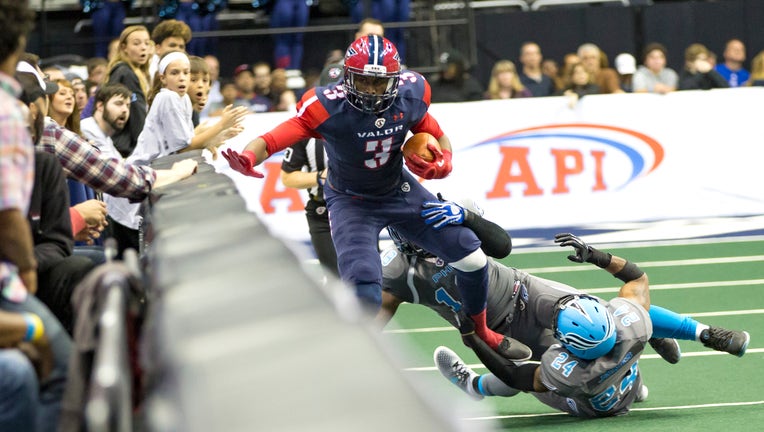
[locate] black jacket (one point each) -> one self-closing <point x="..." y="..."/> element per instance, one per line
<point x="49" y="212"/>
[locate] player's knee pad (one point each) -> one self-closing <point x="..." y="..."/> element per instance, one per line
<point x="472" y="262"/>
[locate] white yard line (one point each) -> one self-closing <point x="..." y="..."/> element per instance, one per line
<point x="694" y="314"/>
<point x="666" y="408"/>
<point x="642" y="357"/>
<point x="666" y="263"/>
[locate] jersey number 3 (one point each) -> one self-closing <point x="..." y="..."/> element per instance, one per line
<point x="611" y="395"/>
<point x="380" y="152"/>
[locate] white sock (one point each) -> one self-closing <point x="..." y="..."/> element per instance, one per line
<point x="698" y="330"/>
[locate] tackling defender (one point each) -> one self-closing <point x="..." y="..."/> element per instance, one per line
<point x="519" y="304"/>
<point x="364" y="120"/>
<point x="594" y="370"/>
<point x="517" y="301"/>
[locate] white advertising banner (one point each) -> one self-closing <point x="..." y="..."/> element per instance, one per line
<point x="537" y="163"/>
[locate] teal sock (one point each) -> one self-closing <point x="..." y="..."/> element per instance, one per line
<point x="669" y="324"/>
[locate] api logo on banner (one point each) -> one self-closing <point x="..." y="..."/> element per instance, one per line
<point x="565" y="158"/>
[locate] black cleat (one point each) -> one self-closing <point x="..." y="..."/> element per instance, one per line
<point x="667" y="348"/>
<point x="513" y="349"/>
<point x="731" y="341"/>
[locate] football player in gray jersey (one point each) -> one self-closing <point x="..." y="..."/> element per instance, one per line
<point x="520" y="305"/>
<point x="593" y="369"/>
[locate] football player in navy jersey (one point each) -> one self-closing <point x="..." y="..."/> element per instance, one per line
<point x="364" y="120"/>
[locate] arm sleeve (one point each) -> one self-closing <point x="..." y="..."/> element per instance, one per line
<point x="495" y="241"/>
<point x="310" y="114"/>
<point x="428" y="124"/>
<point x="518" y="377"/>
<point x="286" y="134"/>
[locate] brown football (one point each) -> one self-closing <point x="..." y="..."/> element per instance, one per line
<point x="417" y="144"/>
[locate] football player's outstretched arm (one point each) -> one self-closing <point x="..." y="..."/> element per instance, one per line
<point x="635" y="286"/>
<point x="258" y="146"/>
<point x="524" y="377"/>
<point x="281" y="137"/>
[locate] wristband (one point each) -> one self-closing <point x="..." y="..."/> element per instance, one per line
<point x="629" y="272"/>
<point x="599" y="258"/>
<point x="35" y="328"/>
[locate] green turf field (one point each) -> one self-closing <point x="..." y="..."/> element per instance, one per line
<point x="719" y="282"/>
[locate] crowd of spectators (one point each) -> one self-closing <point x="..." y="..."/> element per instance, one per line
<point x="276" y="85"/>
<point x="587" y="71"/>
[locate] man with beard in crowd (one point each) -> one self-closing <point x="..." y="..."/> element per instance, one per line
<point x="111" y="113"/>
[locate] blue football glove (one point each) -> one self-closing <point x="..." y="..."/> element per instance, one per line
<point x="442" y="213"/>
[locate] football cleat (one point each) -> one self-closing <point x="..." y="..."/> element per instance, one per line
<point x="453" y="369"/>
<point x="512" y="349"/>
<point x="731" y="341"/>
<point x="667" y="348"/>
<point x="508" y="348"/>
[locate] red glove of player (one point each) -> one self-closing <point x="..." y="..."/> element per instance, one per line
<point x="438" y="168"/>
<point x="243" y="163"/>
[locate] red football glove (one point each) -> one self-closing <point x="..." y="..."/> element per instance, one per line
<point x="243" y="163"/>
<point x="438" y="168"/>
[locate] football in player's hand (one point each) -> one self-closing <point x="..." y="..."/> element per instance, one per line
<point x="417" y="144"/>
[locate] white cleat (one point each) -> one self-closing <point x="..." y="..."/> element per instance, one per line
<point x="454" y="370"/>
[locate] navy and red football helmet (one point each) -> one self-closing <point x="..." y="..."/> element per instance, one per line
<point x="372" y="70"/>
